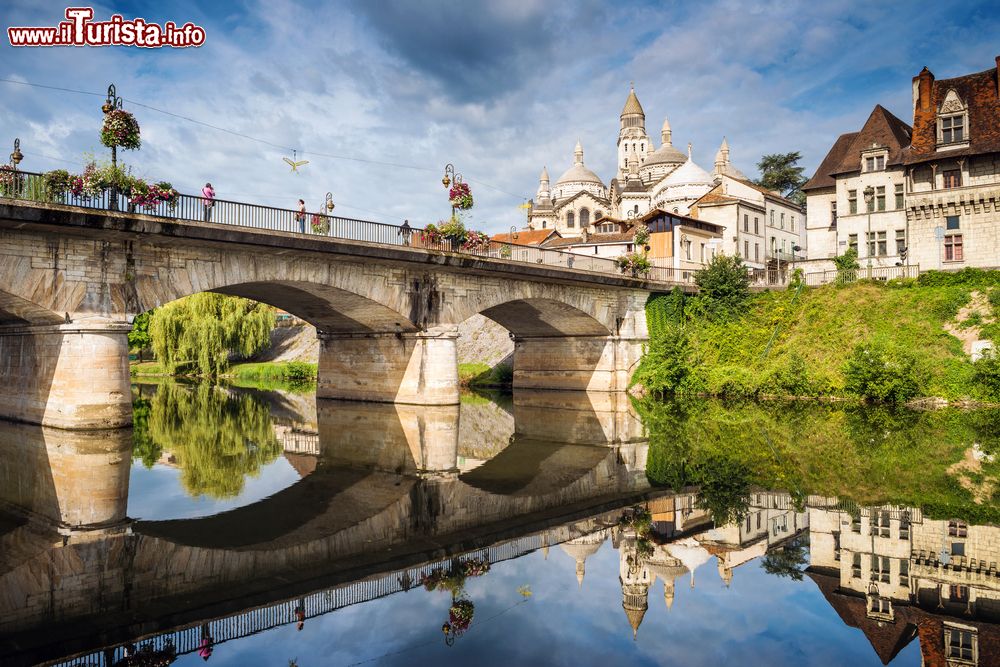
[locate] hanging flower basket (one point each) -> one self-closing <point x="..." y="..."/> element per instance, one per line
<point x="476" y="242"/>
<point x="641" y="237"/>
<point x="150" y="196"/>
<point x="460" y="615"/>
<point x="431" y="235"/>
<point x="88" y="184"/>
<point x="320" y="224"/>
<point x="120" y="129"/>
<point x="633" y="262"/>
<point x="57" y="183"/>
<point x="454" y="230"/>
<point x="460" y="196"/>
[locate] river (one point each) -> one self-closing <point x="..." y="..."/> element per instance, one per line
<point x="241" y="526"/>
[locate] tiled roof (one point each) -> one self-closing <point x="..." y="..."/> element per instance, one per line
<point x="979" y="92"/>
<point x="614" y="237"/>
<point x="713" y="197"/>
<point x="883" y="129"/>
<point x="888" y="639"/>
<point x="768" y="193"/>
<point x="823" y="178"/>
<point x="526" y="236"/>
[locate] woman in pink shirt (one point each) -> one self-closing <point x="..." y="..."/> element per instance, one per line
<point x="208" y="199"/>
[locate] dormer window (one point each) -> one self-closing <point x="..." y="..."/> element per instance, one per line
<point x="952" y="129"/>
<point x="875" y="163"/>
<point x="952" y="121"/>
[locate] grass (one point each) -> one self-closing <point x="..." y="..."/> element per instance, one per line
<point x="485" y="376"/>
<point x="822" y="326"/>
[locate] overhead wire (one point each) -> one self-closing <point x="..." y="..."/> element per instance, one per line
<point x="266" y="142"/>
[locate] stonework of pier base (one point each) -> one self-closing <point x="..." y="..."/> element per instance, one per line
<point x="70" y="376"/>
<point x="419" y="369"/>
<point x="593" y="363"/>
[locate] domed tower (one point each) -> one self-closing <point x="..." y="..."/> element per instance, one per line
<point x="578" y="178"/>
<point x="635" y="579"/>
<point x="581" y="548"/>
<point x="633" y="142"/>
<point x="663" y="160"/>
<point x="723" y="165"/>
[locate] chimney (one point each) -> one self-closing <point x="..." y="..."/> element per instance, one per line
<point x="925" y="82"/>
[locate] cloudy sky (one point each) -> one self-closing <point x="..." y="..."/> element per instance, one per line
<point x="380" y="95"/>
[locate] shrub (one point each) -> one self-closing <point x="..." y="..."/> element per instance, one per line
<point x="666" y="364"/>
<point x="848" y="261"/>
<point x="724" y="285"/>
<point x="877" y="372"/>
<point x="56" y="183"/>
<point x="986" y="375"/>
<point x="664" y="310"/>
<point x="733" y="382"/>
<point x="994" y="299"/>
<point x="300" y="371"/>
<point x="968" y="276"/>
<point x="790" y="378"/>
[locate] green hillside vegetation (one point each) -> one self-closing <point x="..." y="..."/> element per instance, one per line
<point x="880" y="341"/>
<point x="869" y="455"/>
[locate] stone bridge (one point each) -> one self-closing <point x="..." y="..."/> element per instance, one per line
<point x="386" y="487"/>
<point x="72" y="280"/>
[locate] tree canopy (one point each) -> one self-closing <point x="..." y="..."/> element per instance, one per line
<point x="206" y="328"/>
<point x="780" y="172"/>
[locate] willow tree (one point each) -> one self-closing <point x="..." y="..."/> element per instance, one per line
<point x="217" y="438"/>
<point x="206" y="329"/>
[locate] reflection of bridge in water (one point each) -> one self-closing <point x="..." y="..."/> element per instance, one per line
<point x="386" y="493"/>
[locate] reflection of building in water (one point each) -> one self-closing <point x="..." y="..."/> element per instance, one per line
<point x="581" y="548"/>
<point x="897" y="575"/>
<point x="682" y="538"/>
<point x="771" y="520"/>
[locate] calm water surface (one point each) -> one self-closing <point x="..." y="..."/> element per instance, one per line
<point x="257" y="527"/>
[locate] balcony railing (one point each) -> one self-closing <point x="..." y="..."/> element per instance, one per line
<point x="31" y="186"/>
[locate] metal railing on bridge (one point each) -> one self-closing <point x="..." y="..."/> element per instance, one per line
<point x="31" y="186"/>
<point x="254" y="621"/>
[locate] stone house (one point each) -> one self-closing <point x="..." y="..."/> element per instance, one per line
<point x="935" y="184"/>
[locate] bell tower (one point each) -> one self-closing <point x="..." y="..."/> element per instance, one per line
<point x="633" y="142"/>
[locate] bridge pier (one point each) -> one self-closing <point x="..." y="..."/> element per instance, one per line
<point x="419" y="368"/>
<point x="70" y="376"/>
<point x="576" y="363"/>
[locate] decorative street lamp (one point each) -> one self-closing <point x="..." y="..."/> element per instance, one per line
<point x="869" y="198"/>
<point x="16" y="156"/>
<point x="450" y="176"/>
<point x="111" y="103"/>
<point x="329" y="202"/>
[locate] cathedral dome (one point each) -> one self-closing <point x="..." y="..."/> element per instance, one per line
<point x="688" y="174"/>
<point x="579" y="174"/>
<point x="665" y="154"/>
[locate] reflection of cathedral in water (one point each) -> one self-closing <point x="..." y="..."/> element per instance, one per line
<point x="892" y="572"/>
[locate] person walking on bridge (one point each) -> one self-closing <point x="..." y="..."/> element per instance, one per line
<point x="300" y="217"/>
<point x="405" y="231"/>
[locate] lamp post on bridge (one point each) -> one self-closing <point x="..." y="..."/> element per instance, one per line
<point x="16" y="156"/>
<point x="111" y="103"/>
<point x="450" y="176"/>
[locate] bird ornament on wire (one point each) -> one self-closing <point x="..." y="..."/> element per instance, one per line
<point x="294" y="163"/>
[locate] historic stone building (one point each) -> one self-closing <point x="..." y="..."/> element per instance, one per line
<point x="935" y="186"/>
<point x="647" y="177"/>
<point x="651" y="181"/>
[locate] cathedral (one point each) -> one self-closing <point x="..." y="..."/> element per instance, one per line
<point x="647" y="178"/>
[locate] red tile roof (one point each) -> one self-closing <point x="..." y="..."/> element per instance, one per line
<point x="526" y="236"/>
<point x="978" y="91"/>
<point x="823" y="178"/>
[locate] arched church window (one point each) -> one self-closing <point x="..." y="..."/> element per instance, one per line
<point x="584" y="217"/>
<point x="544" y="223"/>
<point x="598" y="215"/>
<point x="636" y="209"/>
<point x="642" y="147"/>
<point x="570" y="220"/>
